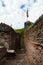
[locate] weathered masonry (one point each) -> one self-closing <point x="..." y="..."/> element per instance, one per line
<point x="33" y="39"/>
<point x="9" y="39"/>
<point x="8" y="36"/>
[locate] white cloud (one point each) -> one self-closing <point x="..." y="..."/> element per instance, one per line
<point x="36" y="11"/>
<point x="12" y="14"/>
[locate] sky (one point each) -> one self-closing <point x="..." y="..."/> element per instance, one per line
<point x="13" y="12"/>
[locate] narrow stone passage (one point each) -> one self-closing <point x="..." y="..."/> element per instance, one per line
<point x="19" y="59"/>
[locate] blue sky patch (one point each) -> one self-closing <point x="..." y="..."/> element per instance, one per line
<point x="35" y="0"/>
<point x="22" y="6"/>
<point x="3" y="4"/>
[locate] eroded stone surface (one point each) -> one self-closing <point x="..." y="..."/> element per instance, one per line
<point x="33" y="39"/>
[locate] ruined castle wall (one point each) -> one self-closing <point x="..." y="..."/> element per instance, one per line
<point x="33" y="39"/>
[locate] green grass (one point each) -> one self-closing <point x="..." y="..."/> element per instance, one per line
<point x="21" y="32"/>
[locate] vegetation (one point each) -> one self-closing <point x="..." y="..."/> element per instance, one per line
<point x="21" y="32"/>
<point x="31" y="26"/>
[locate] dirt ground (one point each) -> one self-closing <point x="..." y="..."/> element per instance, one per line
<point x="19" y="59"/>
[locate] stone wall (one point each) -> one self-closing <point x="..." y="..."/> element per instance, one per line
<point x="8" y="37"/>
<point x="33" y="39"/>
<point x="2" y="52"/>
